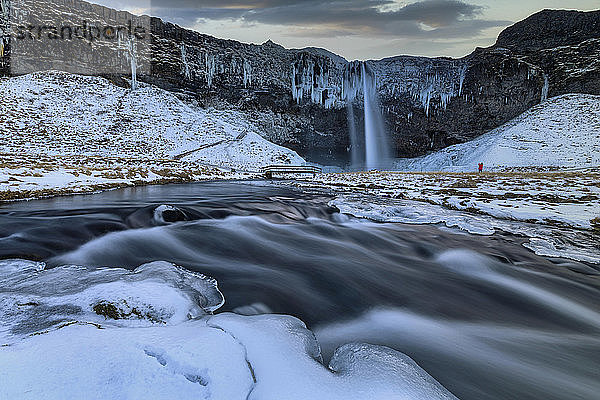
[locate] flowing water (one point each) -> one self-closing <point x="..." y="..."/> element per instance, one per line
<point x="483" y="315"/>
<point x="375" y="143"/>
<point x="371" y="151"/>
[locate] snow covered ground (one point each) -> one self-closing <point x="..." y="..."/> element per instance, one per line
<point x="28" y="177"/>
<point x="558" y="211"/>
<point x="563" y="132"/>
<point x="68" y="133"/>
<point x="106" y="334"/>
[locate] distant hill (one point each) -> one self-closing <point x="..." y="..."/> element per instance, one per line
<point x="549" y="29"/>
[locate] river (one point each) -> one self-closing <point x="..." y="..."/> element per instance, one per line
<point x="483" y="315"/>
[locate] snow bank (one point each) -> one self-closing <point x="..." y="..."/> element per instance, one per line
<point x="187" y="361"/>
<point x="56" y="343"/>
<point x="561" y="132"/>
<point x="62" y="133"/>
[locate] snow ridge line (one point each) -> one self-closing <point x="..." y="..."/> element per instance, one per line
<point x="248" y="363"/>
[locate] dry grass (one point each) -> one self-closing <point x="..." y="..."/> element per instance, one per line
<point x="25" y="174"/>
<point x="596" y="224"/>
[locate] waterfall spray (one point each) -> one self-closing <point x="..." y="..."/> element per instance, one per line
<point x="355" y="148"/>
<point x="373" y="151"/>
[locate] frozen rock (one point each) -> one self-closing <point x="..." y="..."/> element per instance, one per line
<point x="384" y="373"/>
<point x="285" y="358"/>
<point x="54" y="345"/>
<point x="35" y="300"/>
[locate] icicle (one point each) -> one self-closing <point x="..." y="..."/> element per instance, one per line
<point x="310" y="78"/>
<point x="426" y="99"/>
<point x="545" y="88"/>
<point x="211" y="68"/>
<point x="133" y="62"/>
<point x="247" y="73"/>
<point x="186" y="68"/>
<point x="463" y="75"/>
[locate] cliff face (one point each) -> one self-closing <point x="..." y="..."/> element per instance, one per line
<point x="549" y="29"/>
<point x="299" y="97"/>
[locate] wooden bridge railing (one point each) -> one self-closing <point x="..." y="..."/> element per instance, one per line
<point x="272" y="170"/>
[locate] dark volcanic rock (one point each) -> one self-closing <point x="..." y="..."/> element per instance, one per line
<point x="298" y="98"/>
<point x="550" y="28"/>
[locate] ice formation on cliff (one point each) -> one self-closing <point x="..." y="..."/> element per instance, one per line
<point x="545" y="88"/>
<point x="186" y="66"/>
<point x="430" y="85"/>
<point x="4" y="25"/>
<point x="132" y="54"/>
<point x="310" y="79"/>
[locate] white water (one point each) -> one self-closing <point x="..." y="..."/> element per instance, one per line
<point x="376" y="147"/>
<point x="472" y="264"/>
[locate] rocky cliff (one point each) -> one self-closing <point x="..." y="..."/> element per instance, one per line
<point x="299" y="97"/>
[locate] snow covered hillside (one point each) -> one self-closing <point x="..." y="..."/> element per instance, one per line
<point x="62" y="133"/>
<point x="56" y="113"/>
<point x="561" y="132"/>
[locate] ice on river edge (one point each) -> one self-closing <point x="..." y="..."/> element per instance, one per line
<point x="150" y="333"/>
<point x="543" y="240"/>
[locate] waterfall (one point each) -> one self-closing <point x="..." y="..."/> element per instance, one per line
<point x="371" y="129"/>
<point x="373" y="150"/>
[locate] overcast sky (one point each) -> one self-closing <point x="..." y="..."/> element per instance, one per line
<point x="355" y="29"/>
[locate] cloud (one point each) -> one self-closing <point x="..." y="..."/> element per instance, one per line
<point x="318" y="18"/>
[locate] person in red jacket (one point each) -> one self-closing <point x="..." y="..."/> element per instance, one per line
<point x="480" y="167"/>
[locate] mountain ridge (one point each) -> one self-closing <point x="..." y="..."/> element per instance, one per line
<point x="295" y="96"/>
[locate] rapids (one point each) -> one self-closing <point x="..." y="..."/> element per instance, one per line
<point x="484" y="316"/>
